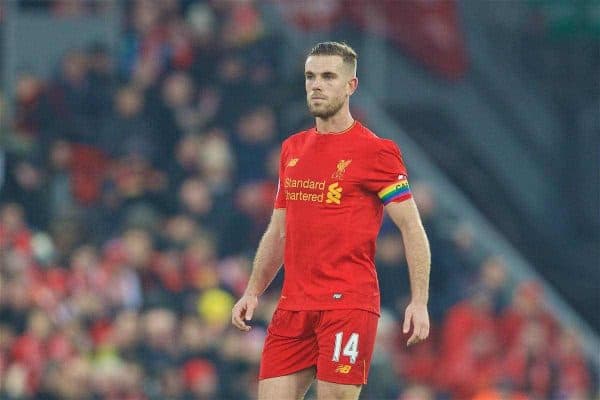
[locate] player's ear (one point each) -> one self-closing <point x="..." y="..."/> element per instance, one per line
<point x="352" y="85"/>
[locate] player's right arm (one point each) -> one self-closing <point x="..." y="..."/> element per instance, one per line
<point x="268" y="260"/>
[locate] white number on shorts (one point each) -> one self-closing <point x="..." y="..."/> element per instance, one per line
<point x="350" y="349"/>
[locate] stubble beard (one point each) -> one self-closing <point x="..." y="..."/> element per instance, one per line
<point x="326" y="111"/>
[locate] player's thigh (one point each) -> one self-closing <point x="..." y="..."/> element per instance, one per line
<point x="290" y="345"/>
<point x="337" y="391"/>
<point x="288" y="387"/>
<point x="346" y="339"/>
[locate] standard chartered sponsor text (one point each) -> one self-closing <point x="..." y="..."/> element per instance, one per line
<point x="304" y="184"/>
<point x="317" y="186"/>
<point x="304" y="196"/>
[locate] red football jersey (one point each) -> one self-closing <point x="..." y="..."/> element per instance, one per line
<point x="334" y="187"/>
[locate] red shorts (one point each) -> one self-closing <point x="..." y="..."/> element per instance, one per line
<point x="338" y="342"/>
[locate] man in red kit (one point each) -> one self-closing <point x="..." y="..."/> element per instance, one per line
<point x="334" y="182"/>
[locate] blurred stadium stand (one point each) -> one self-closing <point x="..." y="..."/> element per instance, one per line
<point x="138" y="159"/>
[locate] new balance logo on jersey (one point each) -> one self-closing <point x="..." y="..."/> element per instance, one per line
<point x="343" y="368"/>
<point x="334" y="193"/>
<point x="292" y="162"/>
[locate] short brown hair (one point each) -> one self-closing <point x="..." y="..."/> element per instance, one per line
<point x="335" y="49"/>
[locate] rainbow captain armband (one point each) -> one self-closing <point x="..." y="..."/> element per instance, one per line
<point x="397" y="191"/>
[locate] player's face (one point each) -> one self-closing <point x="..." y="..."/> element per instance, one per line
<point x="329" y="83"/>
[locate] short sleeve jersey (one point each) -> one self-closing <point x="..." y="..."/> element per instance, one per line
<point x="334" y="187"/>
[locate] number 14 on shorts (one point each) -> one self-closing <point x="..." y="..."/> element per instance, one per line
<point x="350" y="349"/>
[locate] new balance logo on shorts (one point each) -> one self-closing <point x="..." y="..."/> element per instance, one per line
<point x="343" y="369"/>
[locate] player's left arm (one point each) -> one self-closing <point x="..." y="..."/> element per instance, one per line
<point x="406" y="217"/>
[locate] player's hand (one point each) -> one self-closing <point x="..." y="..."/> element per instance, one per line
<point x="243" y="311"/>
<point x="419" y="317"/>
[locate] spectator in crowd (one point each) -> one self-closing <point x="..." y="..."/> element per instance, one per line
<point x="30" y="111"/>
<point x="128" y="130"/>
<point x="390" y="270"/>
<point x="469" y="345"/>
<point x="255" y="137"/>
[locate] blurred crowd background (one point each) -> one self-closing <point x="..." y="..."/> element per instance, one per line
<point x="137" y="180"/>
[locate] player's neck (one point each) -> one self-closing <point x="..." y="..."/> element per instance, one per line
<point x="334" y="124"/>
